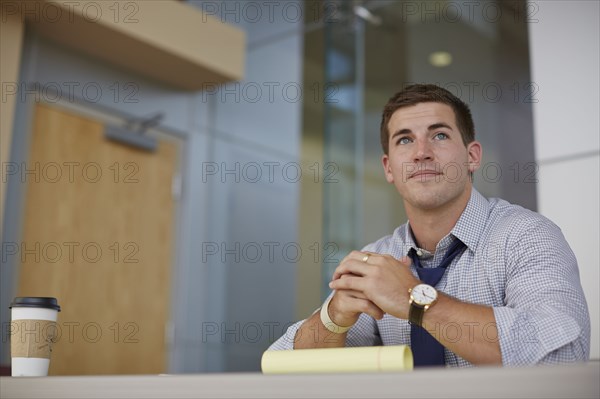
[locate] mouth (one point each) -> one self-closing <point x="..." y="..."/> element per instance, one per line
<point x="425" y="174"/>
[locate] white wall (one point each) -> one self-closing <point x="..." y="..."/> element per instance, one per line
<point x="564" y="48"/>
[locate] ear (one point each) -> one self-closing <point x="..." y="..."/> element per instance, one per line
<point x="475" y="153"/>
<point x="387" y="168"/>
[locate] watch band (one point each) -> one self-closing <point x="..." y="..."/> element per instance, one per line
<point x="328" y="323"/>
<point x="415" y="314"/>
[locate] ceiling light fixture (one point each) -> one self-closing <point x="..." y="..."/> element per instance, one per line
<point x="440" y="59"/>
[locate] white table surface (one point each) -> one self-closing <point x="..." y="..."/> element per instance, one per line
<point x="570" y="381"/>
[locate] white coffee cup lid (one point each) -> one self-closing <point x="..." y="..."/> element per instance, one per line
<point x="35" y="302"/>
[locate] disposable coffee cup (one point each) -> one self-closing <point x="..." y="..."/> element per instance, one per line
<point x="33" y="331"/>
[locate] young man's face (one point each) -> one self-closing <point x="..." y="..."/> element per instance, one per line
<point x="427" y="160"/>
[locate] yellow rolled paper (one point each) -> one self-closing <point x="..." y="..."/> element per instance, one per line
<point x="338" y="360"/>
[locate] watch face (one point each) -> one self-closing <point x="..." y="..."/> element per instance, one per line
<point x="424" y="294"/>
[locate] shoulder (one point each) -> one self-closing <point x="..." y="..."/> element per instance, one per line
<point x="514" y="220"/>
<point x="523" y="232"/>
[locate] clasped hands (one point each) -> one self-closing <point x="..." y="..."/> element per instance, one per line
<point x="370" y="283"/>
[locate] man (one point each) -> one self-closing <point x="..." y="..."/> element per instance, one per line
<point x="466" y="280"/>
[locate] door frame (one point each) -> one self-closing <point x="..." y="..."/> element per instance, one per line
<point x="14" y="205"/>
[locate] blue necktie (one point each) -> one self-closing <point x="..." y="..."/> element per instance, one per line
<point x="427" y="351"/>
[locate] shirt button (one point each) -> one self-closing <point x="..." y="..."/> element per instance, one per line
<point x="419" y="252"/>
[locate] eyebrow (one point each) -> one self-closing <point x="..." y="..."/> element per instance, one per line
<point x="431" y="127"/>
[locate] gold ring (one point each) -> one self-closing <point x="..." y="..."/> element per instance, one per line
<point x="366" y="258"/>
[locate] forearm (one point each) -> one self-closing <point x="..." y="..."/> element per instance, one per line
<point x="313" y="334"/>
<point x="466" y="329"/>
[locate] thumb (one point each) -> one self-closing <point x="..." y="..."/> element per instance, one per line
<point x="405" y="260"/>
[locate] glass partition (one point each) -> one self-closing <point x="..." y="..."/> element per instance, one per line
<point x="477" y="50"/>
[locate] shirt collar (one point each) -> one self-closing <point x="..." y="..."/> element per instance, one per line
<point x="473" y="220"/>
<point x="468" y="228"/>
<point x="409" y="240"/>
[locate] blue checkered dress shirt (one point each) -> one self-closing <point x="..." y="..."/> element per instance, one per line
<point x="517" y="262"/>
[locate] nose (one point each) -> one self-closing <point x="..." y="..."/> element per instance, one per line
<point x="423" y="151"/>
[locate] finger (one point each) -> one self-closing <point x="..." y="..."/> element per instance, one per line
<point x="353" y="255"/>
<point x="350" y="266"/>
<point x="406" y="260"/>
<point x="351" y="293"/>
<point x="374" y="311"/>
<point x="349" y="305"/>
<point x="344" y="275"/>
<point x="349" y="283"/>
<point x="368" y="307"/>
<point x="362" y="256"/>
<point x="380" y="259"/>
<point x="346" y="258"/>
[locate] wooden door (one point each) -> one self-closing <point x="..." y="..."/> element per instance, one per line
<point x="98" y="233"/>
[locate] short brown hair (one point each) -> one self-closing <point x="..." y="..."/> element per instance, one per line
<point x="424" y="93"/>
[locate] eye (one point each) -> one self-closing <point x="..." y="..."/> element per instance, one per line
<point x="403" y="140"/>
<point x="441" y="136"/>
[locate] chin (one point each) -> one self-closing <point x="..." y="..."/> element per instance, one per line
<point x="427" y="203"/>
<point x="432" y="199"/>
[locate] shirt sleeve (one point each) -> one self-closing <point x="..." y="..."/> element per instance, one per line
<point x="545" y="318"/>
<point x="286" y="341"/>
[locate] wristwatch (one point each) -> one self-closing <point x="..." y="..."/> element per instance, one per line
<point x="422" y="297"/>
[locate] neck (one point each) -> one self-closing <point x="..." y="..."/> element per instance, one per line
<point x="429" y="226"/>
